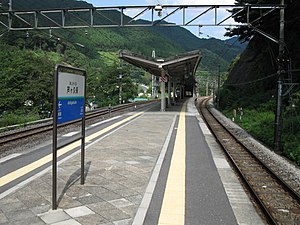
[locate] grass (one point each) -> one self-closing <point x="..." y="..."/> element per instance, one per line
<point x="260" y="124"/>
<point x="13" y="119"/>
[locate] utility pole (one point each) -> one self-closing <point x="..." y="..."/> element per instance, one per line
<point x="218" y="92"/>
<point x="281" y="67"/>
<point x="10" y="14"/>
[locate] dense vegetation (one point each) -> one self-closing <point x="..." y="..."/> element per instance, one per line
<point x="27" y="60"/>
<point x="252" y="81"/>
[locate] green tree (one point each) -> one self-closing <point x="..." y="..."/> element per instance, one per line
<point x="25" y="75"/>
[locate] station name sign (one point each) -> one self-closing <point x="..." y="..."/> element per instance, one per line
<point x="71" y="89"/>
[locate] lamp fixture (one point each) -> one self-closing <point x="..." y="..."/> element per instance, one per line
<point x="158" y="8"/>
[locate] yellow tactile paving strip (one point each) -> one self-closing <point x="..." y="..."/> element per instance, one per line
<point x="173" y="206"/>
<point x="48" y="158"/>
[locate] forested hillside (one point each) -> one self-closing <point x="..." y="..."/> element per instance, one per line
<point x="252" y="82"/>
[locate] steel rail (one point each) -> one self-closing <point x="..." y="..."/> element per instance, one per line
<point x="264" y="206"/>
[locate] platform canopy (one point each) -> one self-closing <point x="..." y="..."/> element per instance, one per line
<point x="180" y="68"/>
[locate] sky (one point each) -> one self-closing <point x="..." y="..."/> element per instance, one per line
<point x="203" y="32"/>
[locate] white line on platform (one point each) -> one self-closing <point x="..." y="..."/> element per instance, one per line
<point x="9" y="157"/>
<point x="70" y="134"/>
<point x="105" y="121"/>
<point x="93" y="125"/>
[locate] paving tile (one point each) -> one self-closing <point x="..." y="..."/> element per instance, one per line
<point x="90" y="199"/>
<point x="113" y="186"/>
<point x="136" y="199"/>
<point x="130" y="210"/>
<point x="79" y="211"/>
<point x="123" y="222"/>
<point x="111" y="161"/>
<point x="8" y="199"/>
<point x="101" y="206"/>
<point x="75" y="191"/>
<point x="93" y="219"/>
<point x="26" y="192"/>
<point x="122" y="202"/>
<point x="132" y="162"/>
<point x="125" y="192"/>
<point x="41" y="209"/>
<point x="114" y="215"/>
<point x="112" y="176"/>
<point x="67" y="202"/>
<point x="146" y="157"/>
<point x="109" y="223"/>
<point x="33" y="202"/>
<point x="29" y="221"/>
<point x="93" y="189"/>
<point x="3" y="218"/>
<point x="109" y="195"/>
<point x="54" y="216"/>
<point x="19" y="215"/>
<point x="13" y="206"/>
<point x="67" y="222"/>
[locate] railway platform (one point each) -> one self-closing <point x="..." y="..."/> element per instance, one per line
<point x="145" y="167"/>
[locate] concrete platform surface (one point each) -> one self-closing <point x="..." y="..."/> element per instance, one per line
<point x="122" y="170"/>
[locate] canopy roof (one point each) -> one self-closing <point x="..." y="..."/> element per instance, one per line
<point x="181" y="68"/>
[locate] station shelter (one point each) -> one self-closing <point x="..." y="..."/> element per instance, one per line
<point x="177" y="72"/>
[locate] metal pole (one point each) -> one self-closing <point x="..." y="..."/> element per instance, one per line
<point x="54" y="146"/>
<point x="83" y="138"/>
<point x="277" y="131"/>
<point x="219" y="81"/>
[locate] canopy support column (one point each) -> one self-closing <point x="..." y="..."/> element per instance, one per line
<point x="181" y="92"/>
<point x="163" y="92"/>
<point x="174" y="92"/>
<point x="169" y="92"/>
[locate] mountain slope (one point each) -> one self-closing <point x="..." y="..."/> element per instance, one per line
<point x="167" y="41"/>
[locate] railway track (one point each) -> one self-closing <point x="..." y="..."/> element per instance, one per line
<point x="47" y="125"/>
<point x="279" y="202"/>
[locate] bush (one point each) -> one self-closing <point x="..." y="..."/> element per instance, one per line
<point x="291" y="146"/>
<point x="12" y="119"/>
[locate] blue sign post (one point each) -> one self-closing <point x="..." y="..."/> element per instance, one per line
<point x="69" y="105"/>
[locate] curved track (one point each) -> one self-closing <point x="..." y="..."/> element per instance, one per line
<point x="279" y="202"/>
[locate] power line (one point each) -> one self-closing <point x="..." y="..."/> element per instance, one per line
<point x="261" y="79"/>
<point x="251" y="82"/>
